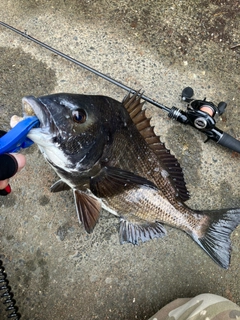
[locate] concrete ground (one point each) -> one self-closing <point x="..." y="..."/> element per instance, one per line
<point x="55" y="269"/>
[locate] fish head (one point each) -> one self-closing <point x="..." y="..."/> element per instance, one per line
<point x="74" y="129"/>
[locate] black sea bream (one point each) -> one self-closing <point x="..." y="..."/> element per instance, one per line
<point x="108" y="154"/>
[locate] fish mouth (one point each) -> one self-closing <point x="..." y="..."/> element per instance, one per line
<point x="32" y="106"/>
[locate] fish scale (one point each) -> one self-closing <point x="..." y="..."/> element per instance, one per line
<point x="148" y="204"/>
<point x="136" y="157"/>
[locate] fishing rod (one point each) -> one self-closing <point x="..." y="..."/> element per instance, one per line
<point x="199" y="113"/>
<point x="80" y="64"/>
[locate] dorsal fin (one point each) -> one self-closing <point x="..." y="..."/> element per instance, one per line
<point x="134" y="107"/>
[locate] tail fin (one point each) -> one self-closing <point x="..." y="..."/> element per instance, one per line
<point x="216" y="240"/>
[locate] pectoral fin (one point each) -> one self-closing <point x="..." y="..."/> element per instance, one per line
<point x="88" y="209"/>
<point x="138" y="229"/>
<point x="111" y="181"/>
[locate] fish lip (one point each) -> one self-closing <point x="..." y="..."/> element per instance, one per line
<point x="31" y="105"/>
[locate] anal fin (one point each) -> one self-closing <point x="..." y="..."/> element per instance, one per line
<point x="140" y="230"/>
<point x="88" y="209"/>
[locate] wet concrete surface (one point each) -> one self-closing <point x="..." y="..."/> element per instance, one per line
<point x="55" y="269"/>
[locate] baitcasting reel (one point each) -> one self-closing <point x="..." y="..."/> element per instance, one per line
<point x="200" y="115"/>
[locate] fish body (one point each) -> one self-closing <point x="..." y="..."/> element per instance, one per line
<point x="108" y="154"/>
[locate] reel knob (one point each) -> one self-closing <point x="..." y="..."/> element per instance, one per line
<point x="221" y="107"/>
<point x="187" y="93"/>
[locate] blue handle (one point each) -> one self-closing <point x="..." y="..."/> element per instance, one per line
<point x="16" y="138"/>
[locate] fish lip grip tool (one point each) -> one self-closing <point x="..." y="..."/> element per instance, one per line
<point x="16" y="138"/>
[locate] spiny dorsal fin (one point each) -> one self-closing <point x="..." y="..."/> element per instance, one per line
<point x="134" y="107"/>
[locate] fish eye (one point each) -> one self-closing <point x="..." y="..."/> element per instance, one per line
<point x="79" y="116"/>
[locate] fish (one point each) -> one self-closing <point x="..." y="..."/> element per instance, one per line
<point x="107" y="152"/>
